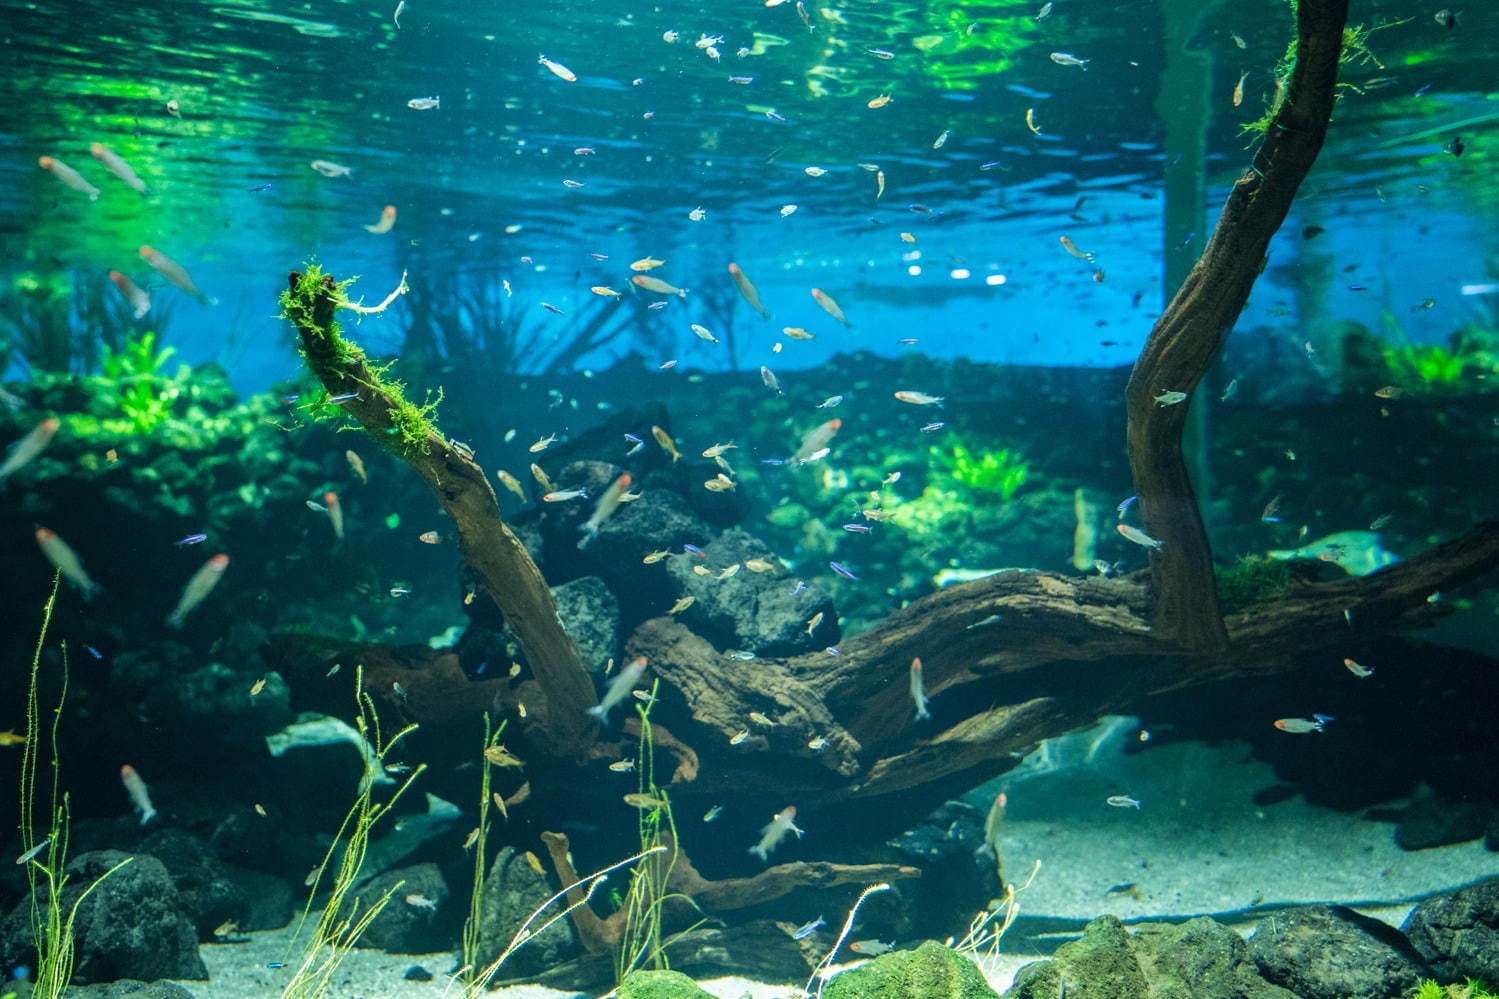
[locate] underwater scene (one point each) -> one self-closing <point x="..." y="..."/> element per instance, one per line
<point x="771" y="499"/>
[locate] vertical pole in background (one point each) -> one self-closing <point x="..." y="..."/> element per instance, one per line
<point x="1184" y="106"/>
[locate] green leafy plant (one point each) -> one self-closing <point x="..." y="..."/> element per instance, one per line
<point x="146" y="395"/>
<point x="344" y="919"/>
<point x="1251" y="580"/>
<point x="991" y="476"/>
<point x="46" y="861"/>
<point x="1471" y="988"/>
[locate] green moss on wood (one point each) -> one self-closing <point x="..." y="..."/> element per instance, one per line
<point x="1253" y="579"/>
<point x="310" y="304"/>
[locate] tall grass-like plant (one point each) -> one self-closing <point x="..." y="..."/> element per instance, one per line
<point x="344" y="919"/>
<point x="642" y="942"/>
<point x="51" y="926"/>
<point x="472" y="925"/>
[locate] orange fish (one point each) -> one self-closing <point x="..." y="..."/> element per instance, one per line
<point x="386" y="223"/>
<point x="68" y="176"/>
<point x="335" y="513"/>
<point x="117" y="166"/>
<point x="747" y="290"/>
<point x="66" y="561"/>
<point x="198" y="587"/>
<point x="828" y="305"/>
<point x="139" y="301"/>
<point x="173" y="272"/>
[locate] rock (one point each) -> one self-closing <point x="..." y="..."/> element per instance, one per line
<point x="131" y="988"/>
<point x="931" y="971"/>
<point x="512" y="891"/>
<point x="1437" y="821"/>
<point x="1097" y="965"/>
<point x="591" y="615"/>
<point x="270" y="899"/>
<point x="1332" y="952"/>
<point x="1199" y="959"/>
<point x="416" y="973"/>
<point x="407" y="927"/>
<point x="660" y="985"/>
<point x="958" y="874"/>
<point x="1457" y="932"/>
<point x="210" y="895"/>
<point x="132" y="924"/>
<point x="758" y="611"/>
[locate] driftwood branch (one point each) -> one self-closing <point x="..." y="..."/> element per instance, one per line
<point x="496" y="555"/>
<point x="598" y="936"/>
<point x="1192" y="329"/>
<point x="1009" y="660"/>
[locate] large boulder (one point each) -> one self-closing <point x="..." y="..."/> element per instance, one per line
<point x="768" y="613"/>
<point x="1332" y="952"/>
<point x="1457" y="932"/>
<point x="513" y="890"/>
<point x="931" y="971"/>
<point x="210" y="895"/>
<point x="1199" y="959"/>
<point x="130" y="924"/>
<point x="660" y="985"/>
<point x="412" y="921"/>
<point x="591" y="615"/>
<point x="129" y="988"/>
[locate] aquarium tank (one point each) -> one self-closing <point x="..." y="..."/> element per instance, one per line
<point x="817" y="498"/>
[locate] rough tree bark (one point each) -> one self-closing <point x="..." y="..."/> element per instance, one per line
<point x="511" y="579"/>
<point x="1191" y="330"/>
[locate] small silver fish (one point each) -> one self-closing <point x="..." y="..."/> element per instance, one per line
<point x="802" y="932"/>
<point x="1122" y="801"/>
<point x="1068" y="59"/>
<point x="424" y="103"/>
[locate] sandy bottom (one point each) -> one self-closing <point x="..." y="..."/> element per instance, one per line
<point x="1197" y="845"/>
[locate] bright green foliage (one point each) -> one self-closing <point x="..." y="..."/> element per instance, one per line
<point x="1469" y="357"/>
<point x="993" y="476"/>
<point x="1253" y="579"/>
<point x="930" y="971"/>
<point x="145" y="394"/>
<point x="1472" y="988"/>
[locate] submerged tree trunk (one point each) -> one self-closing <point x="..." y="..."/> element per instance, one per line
<point x="1191" y="330"/>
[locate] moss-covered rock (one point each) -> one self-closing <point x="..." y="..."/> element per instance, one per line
<point x="931" y="971"/>
<point x="660" y="985"/>
<point x="1199" y="959"/>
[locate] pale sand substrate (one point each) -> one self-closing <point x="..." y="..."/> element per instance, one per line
<point x="1198" y="845"/>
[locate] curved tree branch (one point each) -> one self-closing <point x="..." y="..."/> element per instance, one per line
<point x="1191" y="330"/>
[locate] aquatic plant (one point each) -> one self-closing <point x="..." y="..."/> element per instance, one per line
<point x="472" y="925"/>
<point x="989" y="925"/>
<point x="1472" y="988"/>
<point x="342" y="922"/>
<point x="1252" y="579"/>
<point x="1435" y="368"/>
<point x="992" y="476"/>
<point x="642" y="942"/>
<point x="145" y="395"/>
<point x="51" y="925"/>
